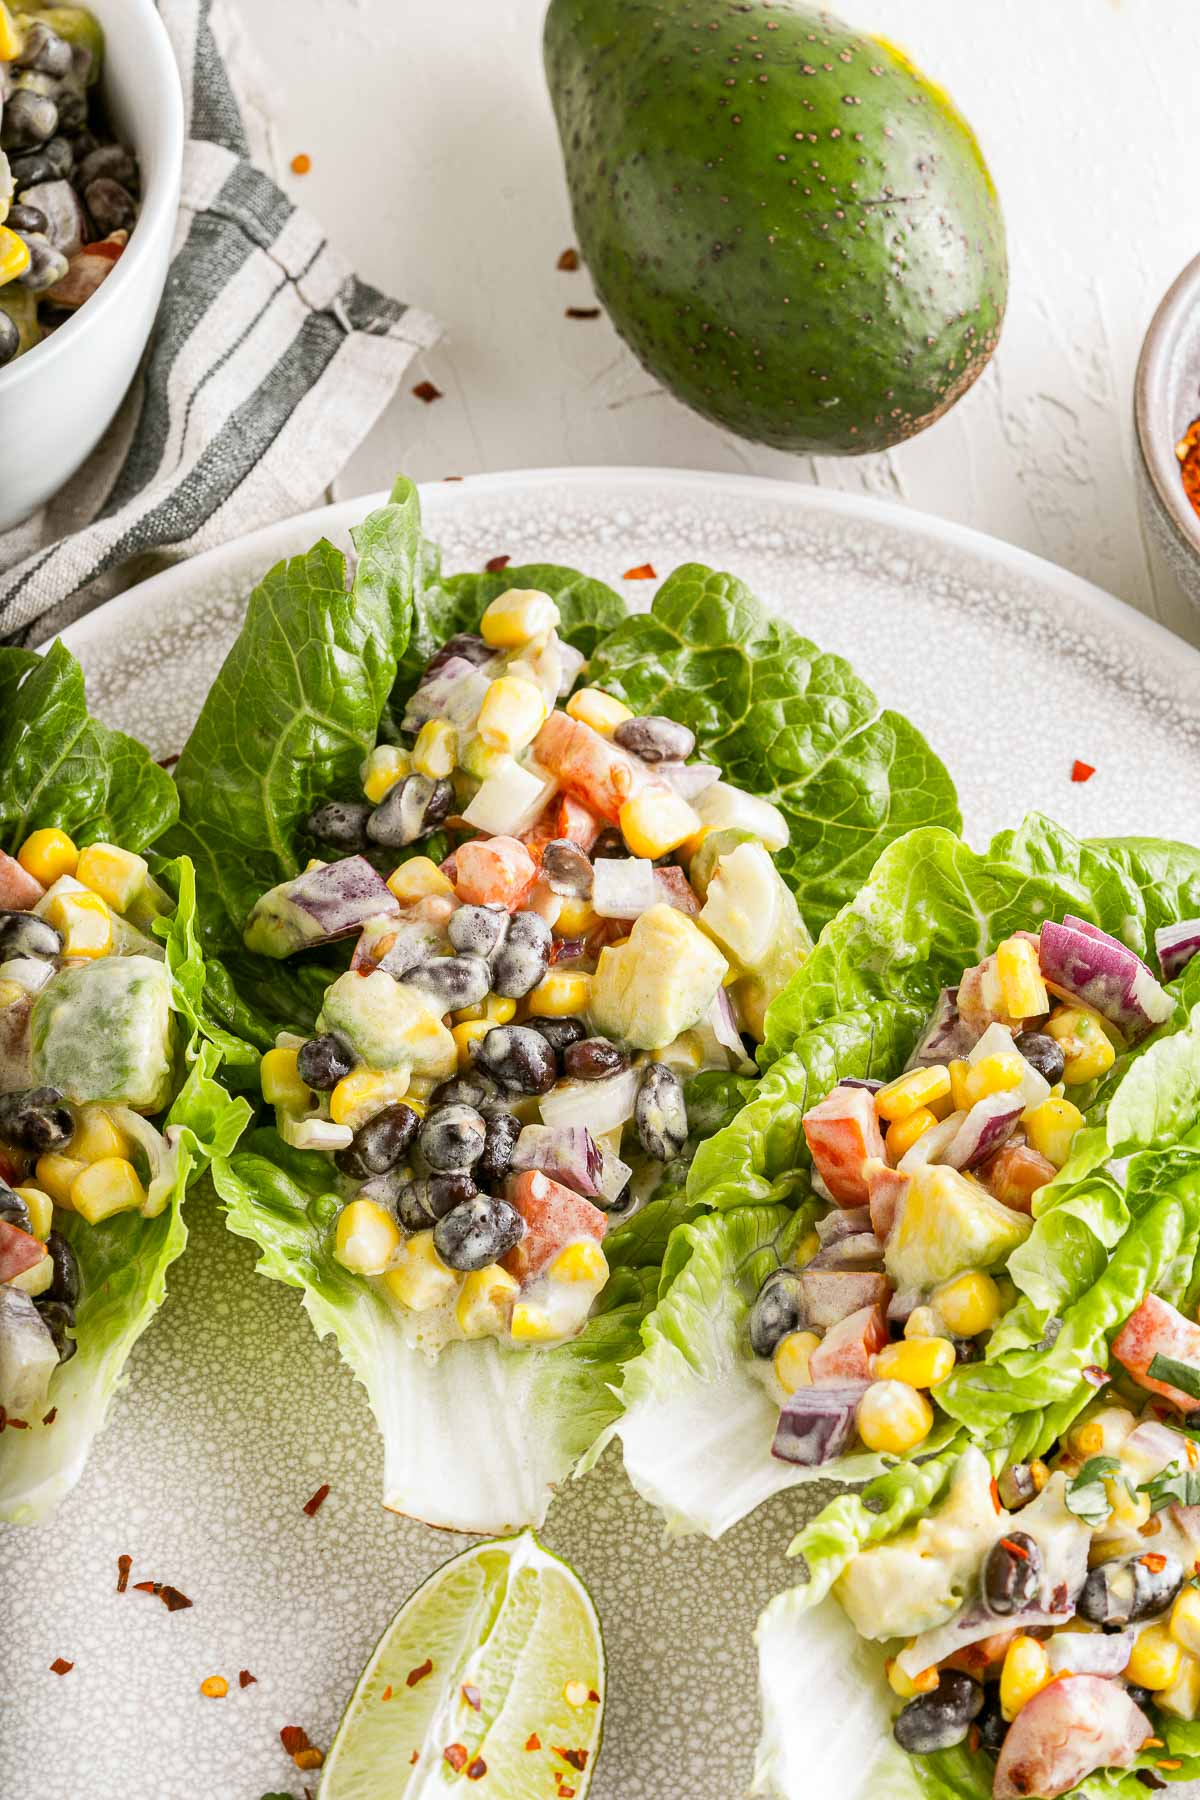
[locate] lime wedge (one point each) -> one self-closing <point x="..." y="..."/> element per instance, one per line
<point x="489" y="1680"/>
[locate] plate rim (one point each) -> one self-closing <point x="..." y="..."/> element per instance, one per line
<point x="1158" y="639"/>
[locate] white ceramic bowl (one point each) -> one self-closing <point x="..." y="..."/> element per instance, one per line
<point x="58" y="399"/>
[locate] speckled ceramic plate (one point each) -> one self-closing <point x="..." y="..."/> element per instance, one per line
<point x="234" y="1413"/>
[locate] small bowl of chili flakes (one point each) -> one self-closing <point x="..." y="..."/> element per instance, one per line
<point x="1166" y="410"/>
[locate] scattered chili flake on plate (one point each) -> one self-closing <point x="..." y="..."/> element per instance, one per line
<point x="419" y="1673"/>
<point x="568" y="262"/>
<point x="494" y="564"/>
<point x="60" y="1666"/>
<point x="415" y="1757"/>
<point x="168" y="762"/>
<point x="313" y="1505"/>
<point x="426" y="391"/>
<point x="124" y="1565"/>
<point x="49" y="1418"/>
<point x="1188" y="452"/>
<point x="456" y="1756"/>
<point x="594" y="1696"/>
<point x="246" y="1679"/>
<point x="214" y="1687"/>
<point x="1081" y="771"/>
<point x="583" y="312"/>
<point x="533" y="1741"/>
<point x="472" y="1696"/>
<point x="477" y="1769"/>
<point x="576" y="1758"/>
<point x="301" y="164"/>
<point x="643" y="572"/>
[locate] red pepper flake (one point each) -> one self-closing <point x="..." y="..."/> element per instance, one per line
<point x="533" y="1741"/>
<point x="568" y="262"/>
<point x="171" y="1597"/>
<point x="456" y="1756"/>
<point x="300" y="165"/>
<point x="996" y="1495"/>
<point x="576" y="1758"/>
<point x="452" y="477"/>
<point x="494" y="564"/>
<point x="60" y="1666"/>
<point x="583" y="312"/>
<point x="145" y="1587"/>
<point x="1154" y="1562"/>
<point x="472" y="1696"/>
<point x="124" y="1564"/>
<point x="643" y="572"/>
<point x="313" y="1506"/>
<point x="476" y="1770"/>
<point x="246" y="1679"/>
<point x="426" y="391"/>
<point x="593" y="1695"/>
<point x="168" y="762"/>
<point x="1081" y="771"/>
<point x="49" y="1418"/>
<point x="11" y="1424"/>
<point x="387" y="1692"/>
<point x="293" y="1738"/>
<point x="419" y="1673"/>
<point x="1014" y="1549"/>
<point x="1095" y="1375"/>
<point x="415" y="1757"/>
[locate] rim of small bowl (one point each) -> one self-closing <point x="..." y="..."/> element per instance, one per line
<point x="1177" y="316"/>
<point x="160" y="203"/>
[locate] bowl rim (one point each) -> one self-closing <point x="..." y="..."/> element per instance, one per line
<point x="159" y="208"/>
<point x="1178" y="309"/>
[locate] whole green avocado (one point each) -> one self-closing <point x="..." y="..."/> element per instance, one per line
<point x="792" y="228"/>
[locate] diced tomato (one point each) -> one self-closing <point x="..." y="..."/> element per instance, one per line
<point x="885" y="1186"/>
<point x="493" y="872"/>
<point x="1075" y="1725"/>
<point x="675" y="888"/>
<point x="1157" y="1329"/>
<point x="18" y="1251"/>
<point x="591" y="769"/>
<point x="845" y="1352"/>
<point x="1015" y="1174"/>
<point x="842" y="1133"/>
<point x="564" y="817"/>
<point x="553" y="1216"/>
<point x="18" y="890"/>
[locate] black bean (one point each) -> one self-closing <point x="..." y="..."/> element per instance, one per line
<point x="35" y="1119"/>
<point x="503" y="1130"/>
<point x="478" y="930"/>
<point x="473" y="1088"/>
<point x="560" y="1034"/>
<point x="655" y="739"/>
<point x="13" y="1209"/>
<point x="595" y="1059"/>
<point x="51" y="162"/>
<point x="1016" y="1486"/>
<point x="452" y="1137"/>
<point x="408" y="810"/>
<point x="111" y="208"/>
<point x="10" y="339"/>
<point x="524" y="956"/>
<point x="967" y="1350"/>
<point x="451" y="982"/>
<point x="1122" y="1593"/>
<point x="341" y="823"/>
<point x="1044" y="1054"/>
<point x="46" y="264"/>
<point x="59" y="1319"/>
<point x="381" y="1143"/>
<point x="567" y="870"/>
<point x="478" y="1233"/>
<point x="24" y="934"/>
<point x="72" y="109"/>
<point x="29" y="119"/>
<point x="661" y="1112"/>
<point x="422" y="1202"/>
<point x="518" y="1057"/>
<point x="778" y="1309"/>
<point x="324" y="1061"/>
<point x="1139" y="1695"/>
<point x="1012" y="1574"/>
<point x="448" y="1189"/>
<point x="27" y="218"/>
<point x="465" y="644"/>
<point x="43" y="50"/>
<point x="609" y="843"/>
<point x="993" y="1726"/>
<point x="941" y="1719"/>
<point x="66" y="1284"/>
<point x="107" y="162"/>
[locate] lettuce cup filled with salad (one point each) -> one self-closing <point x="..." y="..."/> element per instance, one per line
<point x="545" y="869"/>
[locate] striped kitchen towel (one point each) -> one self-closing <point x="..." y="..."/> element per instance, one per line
<point x="269" y="364"/>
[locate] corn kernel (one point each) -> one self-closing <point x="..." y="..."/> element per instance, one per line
<point x="908" y="1093"/>
<point x="11" y="992"/>
<point x="969" y="1304"/>
<point x="1020" y="977"/>
<point x="418" y="1278"/>
<point x="1087" y="1049"/>
<point x="909" y="1686"/>
<point x="1026" y="1672"/>
<point x="84" y="923"/>
<point x="1051" y="1129"/>
<point x="592" y="706"/>
<point x="117" y="875"/>
<point x="95" y="1137"/>
<point x="582" y="1262"/>
<point x="921" y="1362"/>
<point x="435" y="752"/>
<point x="893" y="1417"/>
<point x="485" y="1301"/>
<point x="386" y="765"/>
<point x="576" y="918"/>
<point x="532" y="1324"/>
<point x="559" y="994"/>
<point x="48" y="855"/>
<point x="1101" y="1433"/>
<point x="14" y="256"/>
<point x="959" y="1073"/>
<point x="364" y="1092"/>
<point x="366" y="1238"/>
<point x="1185" y="1620"/>
<point x="281" y="1082"/>
<point x="998" y="1074"/>
<point x="41" y="1210"/>
<point x="467" y="1015"/>
<point x="468" y="1033"/>
<point x="36" y="1278"/>
<point x="655" y="822"/>
<point x="517" y="617"/>
<point x="1155" y="1660"/>
<point x="11" y="40"/>
<point x="1182" y="1698"/>
<point x="57" y="1175"/>
<point x="475" y="757"/>
<point x="922" y="1322"/>
<point x="512" y="714"/>
<point x="793" y="1355"/>
<point x="417" y="878"/>
<point x="107" y="1187"/>
<point x="904" y="1133"/>
<point x="499" y="1009"/>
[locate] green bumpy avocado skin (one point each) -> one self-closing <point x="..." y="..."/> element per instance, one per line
<point x="792" y="228"/>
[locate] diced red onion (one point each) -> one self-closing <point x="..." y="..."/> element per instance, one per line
<point x="623" y="887"/>
<point x="1090" y="1652"/>
<point x="990" y="1123"/>
<point x="566" y="1153"/>
<point x="970" y="1625"/>
<point x="946" y="1036"/>
<point x="28" y="1357"/>
<point x="454" y="693"/>
<point x="674" y="889"/>
<point x="817" y="1424"/>
<point x="572" y="660"/>
<point x="861" y="1081"/>
<point x="1104" y="974"/>
<point x="843" y="1223"/>
<point x="614" y="1177"/>
<point x="830" y="1295"/>
<point x="931" y="1146"/>
<point x="1176" y="945"/>
<point x="724" y="1027"/>
<point x="818" y="1184"/>
<point x="901" y="1307"/>
<point x="600" y="1106"/>
<point x="860" y="1250"/>
<point x="687" y="779"/>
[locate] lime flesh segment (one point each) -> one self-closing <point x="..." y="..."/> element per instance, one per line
<point x="516" y="1629"/>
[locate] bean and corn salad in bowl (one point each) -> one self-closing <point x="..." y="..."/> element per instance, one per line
<point x="69" y="193"/>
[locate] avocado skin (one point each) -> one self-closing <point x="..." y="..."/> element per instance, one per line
<point x="794" y="231"/>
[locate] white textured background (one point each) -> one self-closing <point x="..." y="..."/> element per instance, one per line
<point x="435" y="165"/>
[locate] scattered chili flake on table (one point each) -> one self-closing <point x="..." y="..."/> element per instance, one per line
<point x="533" y="1741"/>
<point x="124" y="1565"/>
<point x="60" y="1666"/>
<point x="293" y="1738"/>
<point x="1188" y="452"/>
<point x="456" y="1756"/>
<point x="583" y="312"/>
<point x="301" y="164"/>
<point x="214" y="1687"/>
<point x="472" y="1696"/>
<point x="246" y="1679"/>
<point x="313" y="1505"/>
<point x="568" y="262"/>
<point x="1081" y="771"/>
<point x="168" y="762"/>
<point x="643" y="572"/>
<point x="426" y="391"/>
<point x="419" y="1673"/>
<point x="170" y="1596"/>
<point x="476" y="1770"/>
<point x="494" y="564"/>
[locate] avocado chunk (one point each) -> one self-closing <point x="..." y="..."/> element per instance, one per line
<point x="922" y="1576"/>
<point x="388" y="1025"/>
<point x="946" y="1223"/>
<point x="658" y="984"/>
<point x="752" y="914"/>
<point x="791" y="227"/>
<point x="102" y="1031"/>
